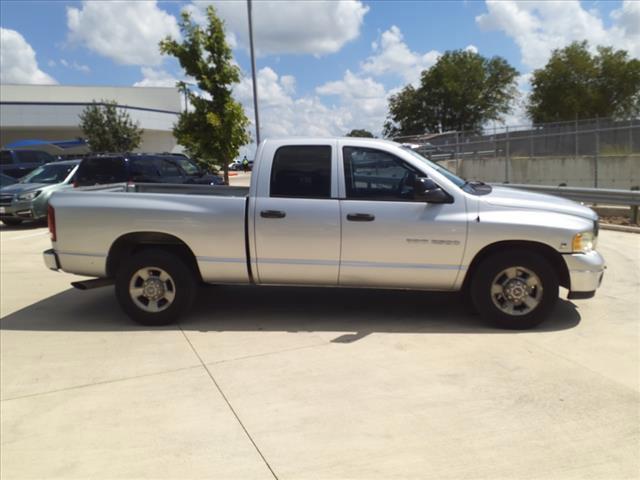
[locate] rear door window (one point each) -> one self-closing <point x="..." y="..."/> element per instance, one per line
<point x="102" y="170"/>
<point x="143" y="168"/>
<point x="168" y="168"/>
<point x="27" y="156"/>
<point x="6" y="158"/>
<point x="302" y="171"/>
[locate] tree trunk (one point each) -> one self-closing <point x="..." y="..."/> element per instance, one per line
<point x="225" y="170"/>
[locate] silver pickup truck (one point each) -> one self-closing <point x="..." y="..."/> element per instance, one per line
<point x="341" y="212"/>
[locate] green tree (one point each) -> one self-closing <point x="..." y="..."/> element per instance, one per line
<point x="360" y="133"/>
<point x="215" y="126"/>
<point x="576" y="84"/>
<point x="462" y="91"/>
<point x="108" y="128"/>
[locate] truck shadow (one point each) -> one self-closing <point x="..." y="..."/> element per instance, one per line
<point x="290" y="309"/>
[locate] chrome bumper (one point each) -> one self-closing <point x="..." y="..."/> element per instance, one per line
<point x="51" y="259"/>
<point x="585" y="271"/>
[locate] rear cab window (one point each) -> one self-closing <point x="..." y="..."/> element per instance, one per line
<point x="102" y="170"/>
<point x="301" y="171"/>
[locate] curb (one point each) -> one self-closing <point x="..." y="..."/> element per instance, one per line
<point x="619" y="228"/>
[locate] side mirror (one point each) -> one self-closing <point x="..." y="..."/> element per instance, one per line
<point x="427" y="190"/>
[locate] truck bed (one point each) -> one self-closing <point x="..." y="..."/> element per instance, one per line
<point x="209" y="219"/>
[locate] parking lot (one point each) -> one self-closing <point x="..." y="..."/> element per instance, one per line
<point x="297" y="383"/>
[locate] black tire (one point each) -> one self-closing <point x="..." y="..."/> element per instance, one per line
<point x="491" y="267"/>
<point x="182" y="281"/>
<point x="12" y="222"/>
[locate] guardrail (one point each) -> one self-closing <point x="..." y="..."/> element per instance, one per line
<point x="601" y="196"/>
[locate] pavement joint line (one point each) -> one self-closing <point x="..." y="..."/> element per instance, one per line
<point x="575" y="362"/>
<point x="246" y="357"/>
<point x="235" y="414"/>
<point x="37" y="234"/>
<point x="104" y="382"/>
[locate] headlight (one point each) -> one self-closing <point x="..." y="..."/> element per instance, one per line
<point x="583" y="242"/>
<point x="29" y="196"/>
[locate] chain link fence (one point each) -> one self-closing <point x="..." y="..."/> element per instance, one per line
<point x="601" y="152"/>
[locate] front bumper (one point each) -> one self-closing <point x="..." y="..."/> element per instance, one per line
<point x="585" y="272"/>
<point x="51" y="259"/>
<point x="19" y="209"/>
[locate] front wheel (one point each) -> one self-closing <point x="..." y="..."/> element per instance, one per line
<point x="155" y="287"/>
<point x="515" y="290"/>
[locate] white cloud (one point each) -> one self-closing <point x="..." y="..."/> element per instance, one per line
<point x="74" y="66"/>
<point x="471" y="48"/>
<point x="156" y="78"/>
<point x="18" y="62"/>
<point x="272" y="90"/>
<point x="538" y="27"/>
<point x="359" y="103"/>
<point x="352" y="86"/>
<point x="627" y="18"/>
<point x="318" y="28"/>
<point x="393" y="56"/>
<point x="126" y="32"/>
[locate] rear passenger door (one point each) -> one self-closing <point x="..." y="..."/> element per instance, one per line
<point x="296" y="216"/>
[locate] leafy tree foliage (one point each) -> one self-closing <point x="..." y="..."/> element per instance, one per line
<point x="462" y="91"/>
<point x="360" y="133"/>
<point x="576" y="84"/>
<point x="215" y="127"/>
<point x="108" y="128"/>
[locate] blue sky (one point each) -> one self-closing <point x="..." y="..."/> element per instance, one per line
<point x="324" y="66"/>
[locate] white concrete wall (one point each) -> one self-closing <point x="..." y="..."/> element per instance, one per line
<point x="621" y="171"/>
<point x="162" y="98"/>
<point x="45" y="116"/>
<point x="60" y="116"/>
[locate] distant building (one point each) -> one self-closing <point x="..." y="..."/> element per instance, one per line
<point x="50" y="112"/>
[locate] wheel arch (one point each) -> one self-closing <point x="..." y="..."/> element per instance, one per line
<point x="132" y="243"/>
<point x="550" y="254"/>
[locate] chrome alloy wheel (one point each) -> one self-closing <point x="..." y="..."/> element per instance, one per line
<point x="516" y="291"/>
<point x="152" y="289"/>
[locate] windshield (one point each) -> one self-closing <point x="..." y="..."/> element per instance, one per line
<point x="49" y="173"/>
<point x="451" y="176"/>
<point x="188" y="167"/>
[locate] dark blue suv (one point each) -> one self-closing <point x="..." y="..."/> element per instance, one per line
<point x="142" y="168"/>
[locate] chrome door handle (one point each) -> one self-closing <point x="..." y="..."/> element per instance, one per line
<point x="272" y="214"/>
<point x="360" y="217"/>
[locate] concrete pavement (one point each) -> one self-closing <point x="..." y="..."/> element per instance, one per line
<point x="298" y="383"/>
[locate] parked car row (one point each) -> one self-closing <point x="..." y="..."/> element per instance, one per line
<point x="27" y="198"/>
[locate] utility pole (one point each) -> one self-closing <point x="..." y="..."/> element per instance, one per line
<point x="253" y="74"/>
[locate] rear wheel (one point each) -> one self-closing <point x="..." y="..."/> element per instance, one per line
<point x="155" y="287"/>
<point x="515" y="290"/>
<point x="12" y="222"/>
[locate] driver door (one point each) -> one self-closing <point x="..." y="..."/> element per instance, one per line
<point x="389" y="239"/>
